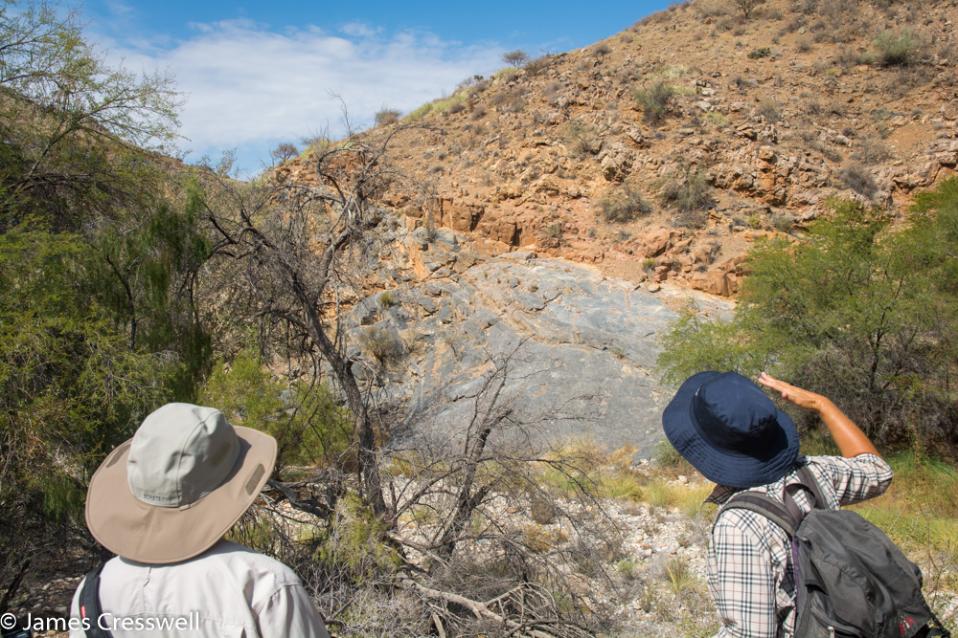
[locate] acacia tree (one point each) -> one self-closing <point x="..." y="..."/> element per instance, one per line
<point x="515" y="58"/>
<point x="293" y="243"/>
<point x="72" y="126"/>
<point x="861" y="311"/>
<point x="747" y="7"/>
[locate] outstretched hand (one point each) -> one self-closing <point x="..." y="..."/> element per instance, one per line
<point x="849" y="438"/>
<point x="799" y="396"/>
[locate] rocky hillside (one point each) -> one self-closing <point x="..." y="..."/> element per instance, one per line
<point x="665" y="151"/>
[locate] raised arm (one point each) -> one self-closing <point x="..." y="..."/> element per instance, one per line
<point x="849" y="438"/>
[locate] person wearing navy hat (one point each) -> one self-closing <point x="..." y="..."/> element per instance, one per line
<point x="728" y="429"/>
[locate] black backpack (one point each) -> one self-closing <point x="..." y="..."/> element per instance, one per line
<point x="850" y="579"/>
<point x="89" y="603"/>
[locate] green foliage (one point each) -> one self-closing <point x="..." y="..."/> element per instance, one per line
<point x="146" y="277"/>
<point x="669" y="459"/>
<point x="623" y="204"/>
<point x="863" y="314"/>
<point x="770" y="111"/>
<point x="679" y="575"/>
<point x="452" y="104"/>
<point x="308" y="425"/>
<point x="354" y="541"/>
<point x="284" y="152"/>
<point x="383" y="345"/>
<point x="385" y="117"/>
<point x="912" y="512"/>
<point x="98" y="266"/>
<point x="747" y="7"/>
<point x="690" y="195"/>
<point x="716" y="119"/>
<point x="582" y="139"/>
<point x="62" y="114"/>
<point x="71" y="387"/>
<point x="897" y="48"/>
<point x="388" y="299"/>
<point x="654" y="101"/>
<point x="758" y="54"/>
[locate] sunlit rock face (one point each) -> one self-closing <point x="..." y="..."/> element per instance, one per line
<point x="581" y="347"/>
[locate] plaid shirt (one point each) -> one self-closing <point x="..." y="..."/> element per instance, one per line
<point x="749" y="566"/>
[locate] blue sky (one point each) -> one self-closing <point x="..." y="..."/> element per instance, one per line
<point x="256" y="74"/>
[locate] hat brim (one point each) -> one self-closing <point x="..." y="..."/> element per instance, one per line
<point x="159" y="535"/>
<point x="727" y="467"/>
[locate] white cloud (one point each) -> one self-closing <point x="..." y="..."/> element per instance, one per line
<point x="360" y="30"/>
<point x="245" y="86"/>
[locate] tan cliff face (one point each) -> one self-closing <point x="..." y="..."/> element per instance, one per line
<point x="760" y="122"/>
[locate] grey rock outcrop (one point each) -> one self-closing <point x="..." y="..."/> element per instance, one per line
<point x="584" y="349"/>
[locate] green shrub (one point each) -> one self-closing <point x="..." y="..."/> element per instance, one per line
<point x="553" y="234"/>
<point x="509" y="101"/>
<point x="861" y="313"/>
<point x="747" y="7"/>
<point x="421" y="111"/>
<point x="539" y="65"/>
<point x="99" y="263"/>
<point x="897" y="49"/>
<point x="655" y="101"/>
<point x="623" y="204"/>
<point x="757" y="54"/>
<point x="387" y="299"/>
<point x="308" y="425"/>
<point x="353" y="545"/>
<point x="284" y="152"/>
<point x="454" y="103"/>
<point x="582" y="139"/>
<point x="72" y="127"/>
<point x="679" y="575"/>
<point x="716" y="119"/>
<point x="383" y="345"/>
<point x="71" y="388"/>
<point x="386" y="117"/>
<point x="690" y="195"/>
<point x="912" y="511"/>
<point x="666" y="455"/>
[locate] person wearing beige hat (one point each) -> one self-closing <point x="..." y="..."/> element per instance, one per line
<point x="162" y="502"/>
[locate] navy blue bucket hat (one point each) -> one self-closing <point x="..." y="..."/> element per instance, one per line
<point x="730" y="431"/>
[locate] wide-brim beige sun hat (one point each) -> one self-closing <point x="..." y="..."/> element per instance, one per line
<point x="175" y="489"/>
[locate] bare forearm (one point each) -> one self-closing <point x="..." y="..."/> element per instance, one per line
<point x="849" y="438"/>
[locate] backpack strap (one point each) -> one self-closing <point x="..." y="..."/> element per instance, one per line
<point x="808" y="481"/>
<point x="785" y="513"/>
<point x="90" y="608"/>
<point x="766" y="506"/>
